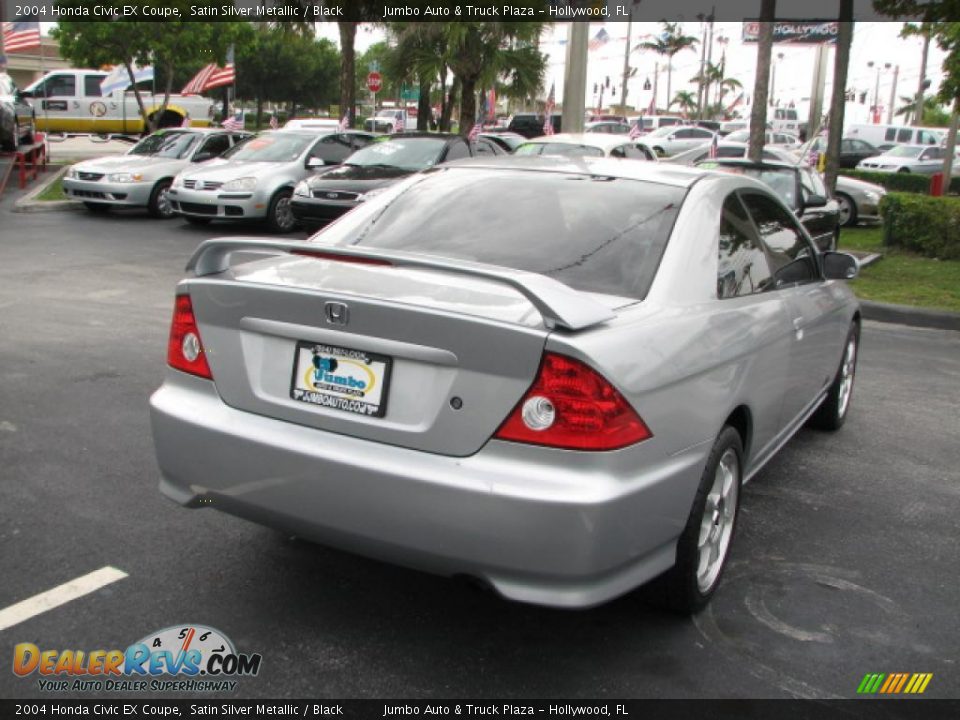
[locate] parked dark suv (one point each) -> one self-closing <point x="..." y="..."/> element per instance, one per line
<point x="530" y="125"/>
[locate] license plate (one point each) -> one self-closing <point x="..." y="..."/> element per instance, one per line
<point x="340" y="378"/>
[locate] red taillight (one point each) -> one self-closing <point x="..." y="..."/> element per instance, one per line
<point x="320" y="255"/>
<point x="185" y="349"/>
<point x="572" y="406"/>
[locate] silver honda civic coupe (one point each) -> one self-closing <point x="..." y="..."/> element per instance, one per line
<point x="550" y="375"/>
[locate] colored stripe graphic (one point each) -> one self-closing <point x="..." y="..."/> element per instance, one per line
<point x="894" y="683"/>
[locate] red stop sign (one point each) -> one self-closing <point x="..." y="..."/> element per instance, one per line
<point x="374" y="82"/>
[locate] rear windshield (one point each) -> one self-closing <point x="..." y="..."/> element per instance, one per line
<point x="596" y="234"/>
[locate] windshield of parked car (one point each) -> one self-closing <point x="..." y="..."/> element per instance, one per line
<point x="558" y="148"/>
<point x="905" y="151"/>
<point x="783" y="181"/>
<point x="272" y="147"/>
<point x="405" y="153"/>
<point x="603" y="235"/>
<point x="739" y="136"/>
<point x="175" y="145"/>
<point x="662" y="131"/>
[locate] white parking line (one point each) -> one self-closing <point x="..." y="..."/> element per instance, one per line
<point x="58" y="596"/>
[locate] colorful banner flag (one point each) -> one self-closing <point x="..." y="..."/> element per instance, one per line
<point x="548" y="112"/>
<point x="119" y="78"/>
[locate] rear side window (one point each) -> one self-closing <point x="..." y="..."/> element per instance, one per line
<point x="91" y="85"/>
<point x="596" y="234"/>
<point x="791" y="257"/>
<point x="905" y="135"/>
<point x="890" y="135"/>
<point x="457" y="150"/>
<point x="742" y="267"/>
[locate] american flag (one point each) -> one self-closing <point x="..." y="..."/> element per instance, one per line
<point x="199" y="81"/>
<point x="274" y="124"/>
<point x="474" y="132"/>
<point x="20" y="36"/>
<point x="551" y="102"/>
<point x="345" y="123"/>
<point x="234" y="122"/>
<point x="599" y="40"/>
<point x="636" y="130"/>
<point x="221" y="76"/>
<point x="714" y="150"/>
<point x="652" y="110"/>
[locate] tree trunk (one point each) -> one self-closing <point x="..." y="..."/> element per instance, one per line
<point x="423" y="106"/>
<point x="918" y="108"/>
<point x="226" y="102"/>
<point x="761" y="85"/>
<point x="443" y="95"/>
<point x="951" y="146"/>
<point x="348" y="69"/>
<point x="468" y="105"/>
<point x="838" y="101"/>
<point x="669" y="80"/>
<point x="136" y="94"/>
<point x="451" y="101"/>
<point x="259" y="112"/>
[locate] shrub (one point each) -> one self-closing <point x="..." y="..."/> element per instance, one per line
<point x="924" y="224"/>
<point x="898" y="182"/>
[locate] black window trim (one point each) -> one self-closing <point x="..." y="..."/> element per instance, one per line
<point x="811" y="245"/>
<point x="758" y="240"/>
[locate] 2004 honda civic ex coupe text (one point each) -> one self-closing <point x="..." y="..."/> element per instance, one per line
<point x="550" y="375"/>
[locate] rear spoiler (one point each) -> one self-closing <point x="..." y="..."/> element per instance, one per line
<point x="558" y="304"/>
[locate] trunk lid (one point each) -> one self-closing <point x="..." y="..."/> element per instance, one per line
<point x="461" y="349"/>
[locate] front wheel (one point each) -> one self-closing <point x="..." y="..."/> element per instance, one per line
<point x="159" y="203"/>
<point x="704" y="546"/>
<point x="833" y="412"/>
<point x="280" y="216"/>
<point x="848" y="210"/>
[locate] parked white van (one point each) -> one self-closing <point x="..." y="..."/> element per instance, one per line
<point x="897" y="134"/>
<point x="655" y="122"/>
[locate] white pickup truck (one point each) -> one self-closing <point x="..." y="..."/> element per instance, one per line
<point x="70" y="101"/>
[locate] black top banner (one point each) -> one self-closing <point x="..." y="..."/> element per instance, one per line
<point x="919" y="709"/>
<point x="419" y="10"/>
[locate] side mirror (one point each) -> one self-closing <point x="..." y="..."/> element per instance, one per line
<point x="840" y="266"/>
<point x="814" y="201"/>
<point x="200" y="157"/>
<point x="314" y="162"/>
<point x="25" y="94"/>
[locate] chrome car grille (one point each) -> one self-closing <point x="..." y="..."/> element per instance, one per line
<point x="202" y="184"/>
<point x="89" y="176"/>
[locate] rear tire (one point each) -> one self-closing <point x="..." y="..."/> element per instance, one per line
<point x="159" y="203"/>
<point x="832" y="413"/>
<point x="97" y="208"/>
<point x="280" y="217"/>
<point x="704" y="546"/>
<point x="904" y="170"/>
<point x="197" y="220"/>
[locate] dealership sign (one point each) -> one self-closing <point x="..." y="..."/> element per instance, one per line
<point x="795" y="31"/>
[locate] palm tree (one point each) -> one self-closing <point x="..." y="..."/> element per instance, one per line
<point x="909" y="107"/>
<point x="671" y="41"/>
<point x="761" y="85"/>
<point x="686" y="100"/>
<point x="483" y="53"/>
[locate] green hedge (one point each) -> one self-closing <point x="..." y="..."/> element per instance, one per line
<point x="900" y="182"/>
<point x="927" y="225"/>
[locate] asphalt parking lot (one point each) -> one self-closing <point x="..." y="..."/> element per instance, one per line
<point x="846" y="561"/>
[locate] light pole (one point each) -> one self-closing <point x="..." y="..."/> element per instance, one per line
<point x="876" y="90"/>
<point x="773" y="78"/>
<point x="722" y="41"/>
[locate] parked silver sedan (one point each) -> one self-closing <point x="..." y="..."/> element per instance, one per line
<point x="587" y="145"/>
<point x="923" y="159"/>
<point x="142" y="176"/>
<point x="255" y="180"/>
<point x="551" y="375"/>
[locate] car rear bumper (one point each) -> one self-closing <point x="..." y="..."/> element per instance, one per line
<point x="535" y="524"/>
<point x="131" y="194"/>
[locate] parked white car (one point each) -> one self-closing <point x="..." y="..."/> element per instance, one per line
<point x="588" y="145"/>
<point x="668" y="141"/>
<point x="922" y="159"/>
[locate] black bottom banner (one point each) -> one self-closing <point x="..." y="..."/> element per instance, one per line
<point x="633" y="709"/>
